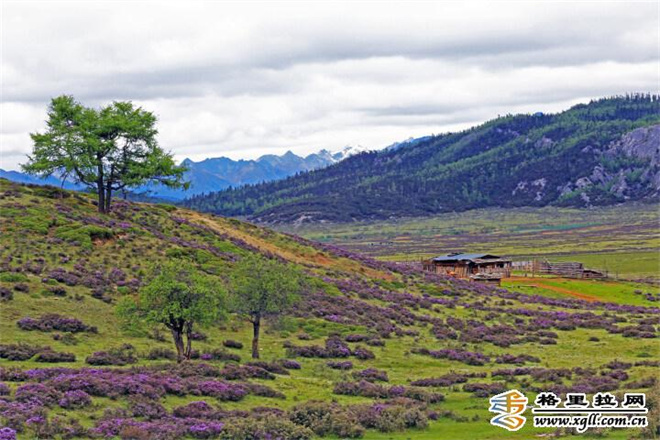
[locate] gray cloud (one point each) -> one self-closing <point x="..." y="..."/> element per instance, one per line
<point x="244" y="79"/>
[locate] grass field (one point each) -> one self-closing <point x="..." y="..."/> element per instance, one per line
<point x="622" y="240"/>
<point x="620" y="292"/>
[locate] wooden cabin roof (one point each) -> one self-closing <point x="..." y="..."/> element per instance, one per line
<point x="475" y="258"/>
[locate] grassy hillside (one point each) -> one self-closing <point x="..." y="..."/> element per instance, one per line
<point x="600" y="153"/>
<point x="59" y="256"/>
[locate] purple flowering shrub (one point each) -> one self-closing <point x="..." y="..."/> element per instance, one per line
<point x="220" y="390"/>
<point x="6" y="294"/>
<point x="161" y="353"/>
<point x="144" y="407"/>
<point x="43" y="395"/>
<point x="516" y="359"/>
<point x="290" y="364"/>
<point x="197" y="409"/>
<point x="371" y="375"/>
<point x="340" y="365"/>
<point x="220" y="355"/>
<point x="334" y="347"/>
<point x="122" y="355"/>
<point x="368" y="389"/>
<point x="363" y="353"/>
<point x="459" y="355"/>
<point x="7" y="433"/>
<point x="229" y="343"/>
<point x="264" y="391"/>
<point x="271" y="367"/>
<point x="54" y="322"/>
<point x="242" y="372"/>
<point x="485" y="389"/>
<point x="326" y="418"/>
<point x="387" y="417"/>
<point x="510" y="373"/>
<point x="268" y="426"/>
<point x="20" y="351"/>
<point x="75" y="399"/>
<point x="206" y="429"/>
<point x="22" y="287"/>
<point x="446" y="379"/>
<point x="51" y="356"/>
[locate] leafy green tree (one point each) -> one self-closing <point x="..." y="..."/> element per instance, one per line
<point x="178" y="297"/>
<point x="263" y="288"/>
<point x="108" y="150"/>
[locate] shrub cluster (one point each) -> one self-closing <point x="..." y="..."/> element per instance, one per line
<point x="75" y="399"/>
<point x="232" y="344"/>
<point x="371" y="375"/>
<point x="446" y="379"/>
<point x="485" y="389"/>
<point x="334" y="347"/>
<point x="460" y="355"/>
<point x="6" y="294"/>
<point x="50" y="356"/>
<point x="326" y="418"/>
<point x="220" y="355"/>
<point x="122" y="355"/>
<point x="368" y="389"/>
<point x="161" y="353"/>
<point x="20" y="351"/>
<point x="242" y="372"/>
<point x="54" y="322"/>
<point x="516" y="359"/>
<point x="340" y="365"/>
<point x="290" y="364"/>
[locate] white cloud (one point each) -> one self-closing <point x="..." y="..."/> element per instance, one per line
<point x="245" y="79"/>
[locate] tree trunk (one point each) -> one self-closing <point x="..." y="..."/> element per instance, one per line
<point x="108" y="198"/>
<point x="178" y="343"/>
<point x="188" y="351"/>
<point x="256" y="324"/>
<point x="99" y="183"/>
<point x="100" y="191"/>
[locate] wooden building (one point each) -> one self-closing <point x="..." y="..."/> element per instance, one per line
<point x="566" y="269"/>
<point x="475" y="267"/>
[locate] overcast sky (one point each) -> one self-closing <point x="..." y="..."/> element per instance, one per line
<point x="242" y="80"/>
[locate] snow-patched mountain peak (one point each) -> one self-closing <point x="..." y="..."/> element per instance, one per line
<point x="347" y="151"/>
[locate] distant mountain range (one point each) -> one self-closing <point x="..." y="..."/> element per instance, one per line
<point x="19" y="177"/>
<point x="219" y="173"/>
<point x="604" y="152"/>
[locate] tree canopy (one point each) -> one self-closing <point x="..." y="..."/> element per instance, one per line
<point x="108" y="149"/>
<point x="178" y="297"/>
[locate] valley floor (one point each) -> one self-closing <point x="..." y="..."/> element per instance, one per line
<point x="623" y="240"/>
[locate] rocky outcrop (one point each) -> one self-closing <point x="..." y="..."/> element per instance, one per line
<point x="628" y="168"/>
<point x="642" y="143"/>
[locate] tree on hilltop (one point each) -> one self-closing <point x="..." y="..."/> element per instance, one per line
<point x="110" y="149"/>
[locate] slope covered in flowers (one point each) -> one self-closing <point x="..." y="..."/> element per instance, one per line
<point x="374" y="350"/>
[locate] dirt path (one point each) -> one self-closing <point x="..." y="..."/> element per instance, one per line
<point x="539" y="282"/>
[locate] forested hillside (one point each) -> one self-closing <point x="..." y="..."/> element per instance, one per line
<point x="600" y="153"/>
